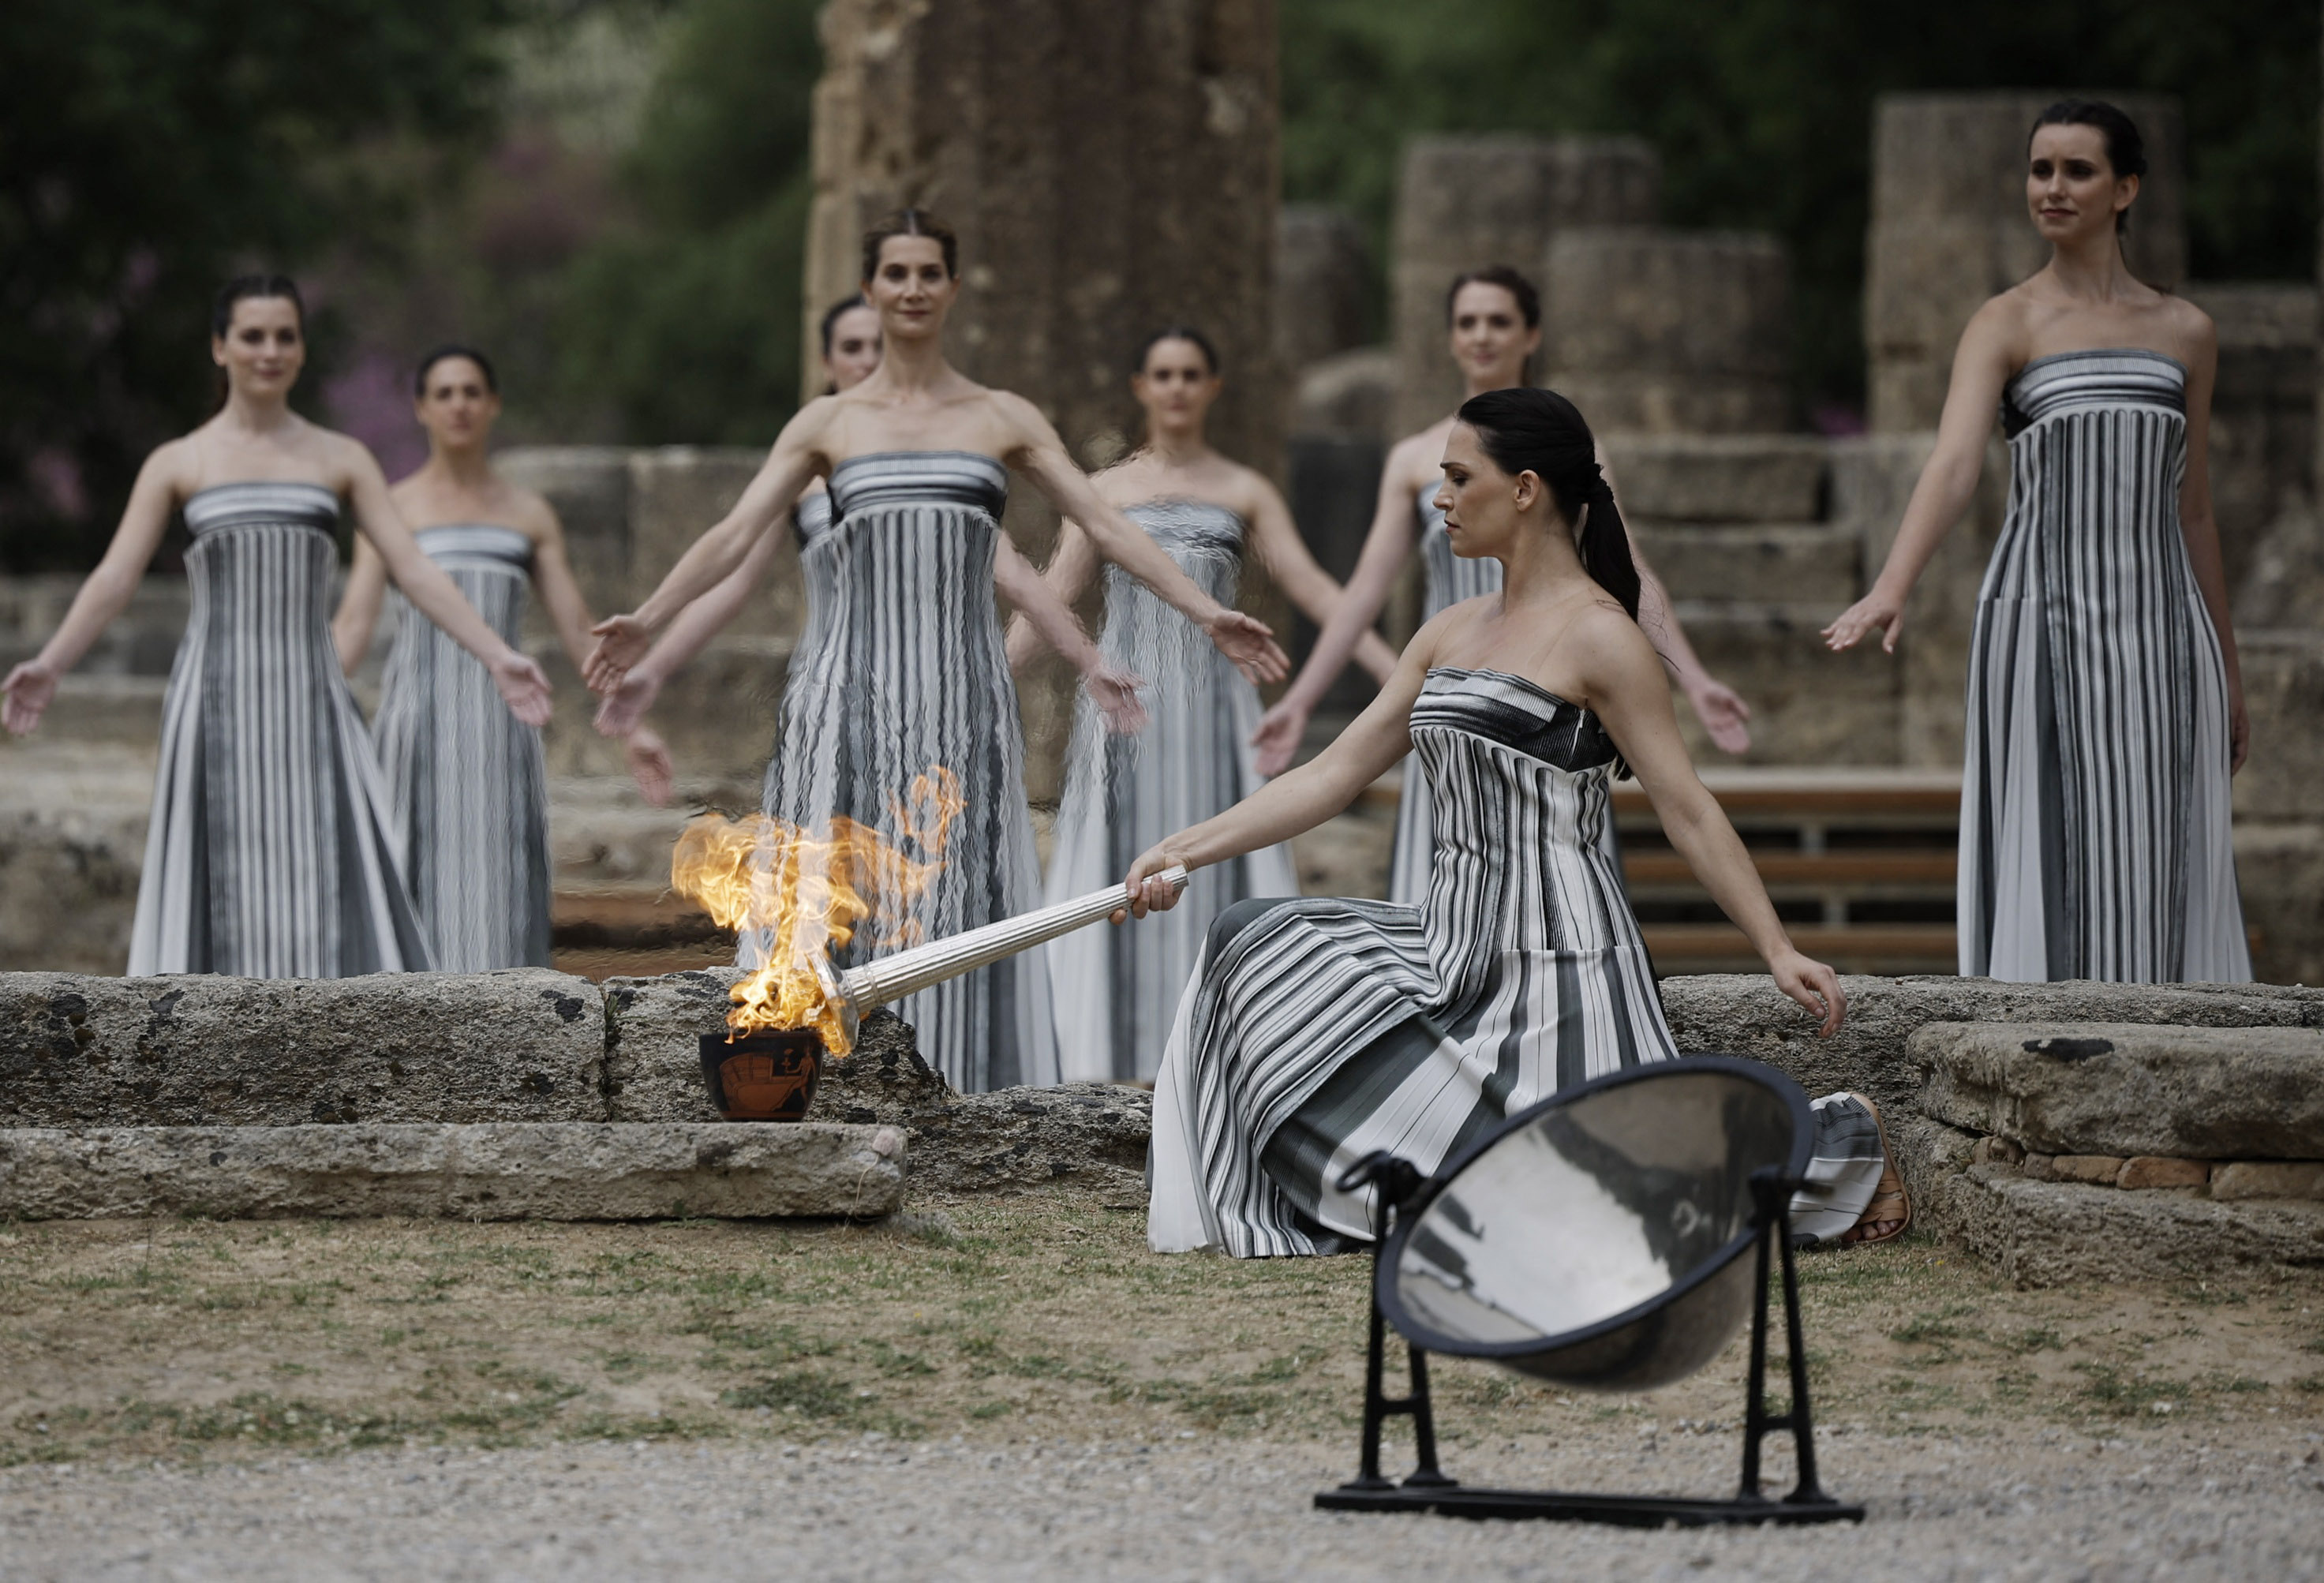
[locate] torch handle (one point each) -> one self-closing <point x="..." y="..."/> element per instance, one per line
<point x="891" y="978"/>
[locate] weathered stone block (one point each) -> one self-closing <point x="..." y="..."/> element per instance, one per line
<point x="72" y="843"/>
<point x="2283" y="690"/>
<point x="2121" y="1088"/>
<point x="1809" y="706"/>
<point x="1761" y="562"/>
<point x="1669" y="332"/>
<point x="1464" y="202"/>
<point x="513" y="1171"/>
<point x="2153" y="1171"/>
<point x="677" y="494"/>
<point x="2096" y="1169"/>
<point x="523" y="1045"/>
<point x="1719" y="478"/>
<point x="589" y="488"/>
<point x="1747" y="1016"/>
<point x="2039" y="1233"/>
<point x="1321" y="279"/>
<point x="2241" y="1179"/>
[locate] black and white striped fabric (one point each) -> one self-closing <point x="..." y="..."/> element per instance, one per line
<point x="2095" y="822"/>
<point x="1447" y="580"/>
<point x="1842" y="1173"/>
<point x="811" y="517"/>
<point x="464" y="777"/>
<point x="1316" y="1031"/>
<point x="272" y="854"/>
<point x="1117" y="989"/>
<point x="900" y="668"/>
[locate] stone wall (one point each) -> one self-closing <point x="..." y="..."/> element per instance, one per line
<point x="1464" y="202"/>
<point x="1950" y="228"/>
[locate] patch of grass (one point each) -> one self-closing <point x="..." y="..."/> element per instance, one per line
<point x="2110" y="1391"/>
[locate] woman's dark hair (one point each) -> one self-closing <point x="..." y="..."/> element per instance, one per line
<point x="912" y="222"/>
<point x="1509" y="281"/>
<point x="454" y="349"/>
<point x="1527" y="430"/>
<point x="1186" y="333"/>
<point x="2126" y="149"/>
<point x="835" y="313"/>
<point x="249" y="286"/>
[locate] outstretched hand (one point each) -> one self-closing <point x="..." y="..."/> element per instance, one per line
<point x="618" y="713"/>
<point x="1250" y="643"/>
<point x="1115" y="693"/>
<point x="621" y="641"/>
<point x="1875" y="612"/>
<point x="1724" y="715"/>
<point x="1147" y="891"/>
<point x="1814" y="986"/>
<point x="1280" y="732"/>
<point x="650" y="768"/>
<point x="523" y="688"/>
<point x="26" y="692"/>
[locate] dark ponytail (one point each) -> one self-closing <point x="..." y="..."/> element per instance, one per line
<point x="1540" y="432"/>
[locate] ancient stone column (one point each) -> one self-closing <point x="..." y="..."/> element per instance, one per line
<point x="1464" y="202"/>
<point x="1320" y="285"/>
<point x="1110" y="170"/>
<point x="1669" y="332"/>
<point x="1950" y="228"/>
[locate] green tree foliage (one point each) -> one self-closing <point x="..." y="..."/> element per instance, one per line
<point x="1762" y="109"/>
<point x="688" y="324"/>
<point x="148" y="148"/>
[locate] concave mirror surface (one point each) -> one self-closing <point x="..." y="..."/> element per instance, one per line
<point x="1591" y="1209"/>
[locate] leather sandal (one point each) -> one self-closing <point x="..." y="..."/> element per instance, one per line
<point x="1891" y="1205"/>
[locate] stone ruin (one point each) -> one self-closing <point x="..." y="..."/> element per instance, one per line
<point x="539" y="1093"/>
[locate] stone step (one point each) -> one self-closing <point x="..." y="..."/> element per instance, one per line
<point x="503" y="1171"/>
<point x="2048" y="1233"/>
<point x="1765" y="562"/>
<point x="1719" y="478"/>
<point x="2118" y="1089"/>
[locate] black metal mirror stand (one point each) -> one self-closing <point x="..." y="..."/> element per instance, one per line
<point x="1427" y="1489"/>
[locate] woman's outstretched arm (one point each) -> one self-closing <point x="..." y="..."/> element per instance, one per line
<point x="2200" y="530"/>
<point x="359" y="603"/>
<point x="1309" y="586"/>
<point x="1981" y="366"/>
<point x="623" y="639"/>
<point x="1297" y="801"/>
<point x="522" y="687"/>
<point x="1040" y="455"/>
<point x="687" y="634"/>
<point x="30" y="684"/>
<point x="1387" y="546"/>
<point x="1069" y="572"/>
<point x="1115" y="692"/>
<point x="1624" y="679"/>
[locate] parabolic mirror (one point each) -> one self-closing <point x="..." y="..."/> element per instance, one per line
<point x="1595" y="1239"/>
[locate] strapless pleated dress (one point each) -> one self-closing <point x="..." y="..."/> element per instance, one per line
<point x="1447" y="579"/>
<point x="900" y="670"/>
<point x="273" y="852"/>
<point x="1117" y="989"/>
<point x="464" y="777"/>
<point x="2096" y="836"/>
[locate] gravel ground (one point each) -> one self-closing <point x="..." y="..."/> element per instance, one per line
<point x="2022" y="1504"/>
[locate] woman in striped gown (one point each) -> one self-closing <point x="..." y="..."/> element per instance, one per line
<point x="1124" y="793"/>
<point x="465" y="778"/>
<point x="1494" y="318"/>
<point x="902" y="667"/>
<point x="2106" y="711"/>
<point x="851" y="351"/>
<point x="271" y="852"/>
<point x="1316" y="1031"/>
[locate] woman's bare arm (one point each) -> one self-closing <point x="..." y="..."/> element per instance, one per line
<point x="1069" y="572"/>
<point x="1388" y="546"/>
<point x="1040" y="455"/>
<point x="103" y="594"/>
<point x="1981" y="366"/>
<point x="359" y="603"/>
<point x="2201" y="530"/>
<point x="521" y="684"/>
<point x="796" y="459"/>
<point x="1284" y="552"/>
<point x="1624" y="680"/>
<point x="1114" y="690"/>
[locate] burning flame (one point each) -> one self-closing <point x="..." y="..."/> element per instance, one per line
<point x="798" y="895"/>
